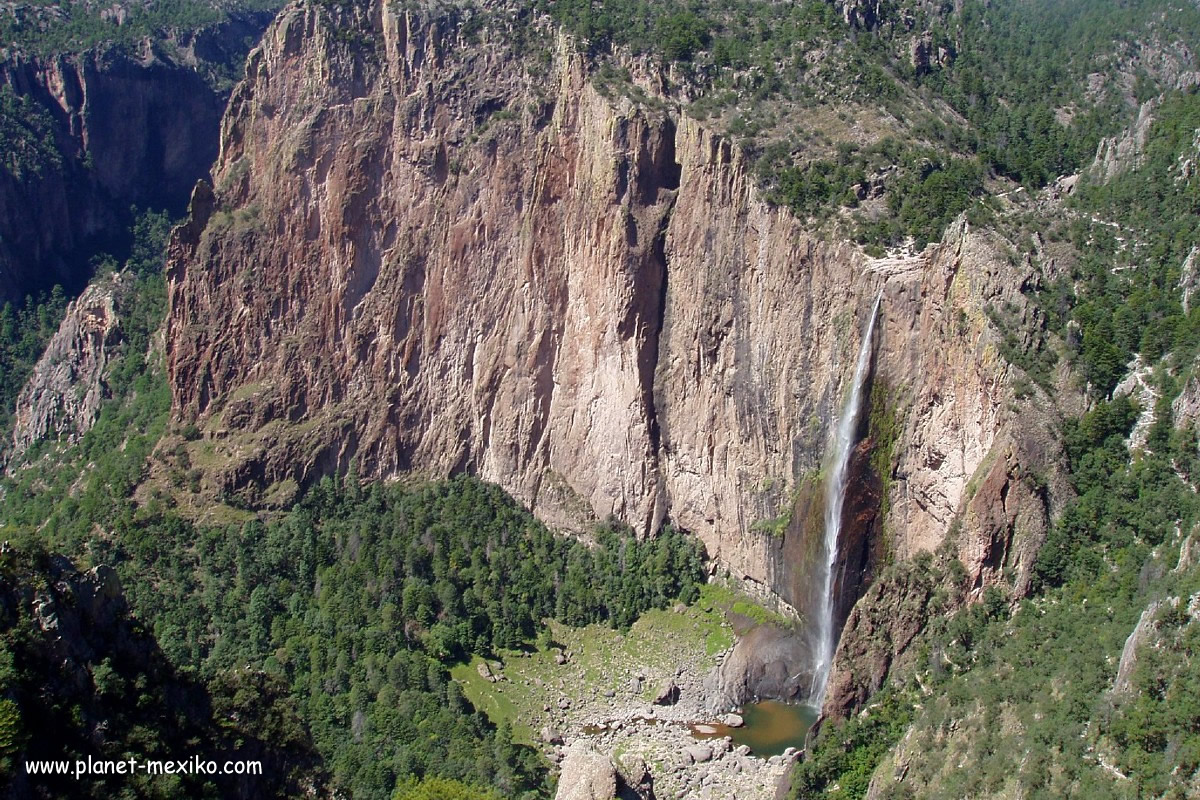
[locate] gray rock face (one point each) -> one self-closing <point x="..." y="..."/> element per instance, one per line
<point x="1188" y="278"/>
<point x="586" y="775"/>
<point x="1185" y="410"/>
<point x="62" y="397"/>
<point x="1144" y="633"/>
<point x="766" y="662"/>
<point x="1124" y="151"/>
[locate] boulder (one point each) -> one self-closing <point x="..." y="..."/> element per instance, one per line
<point x="698" y="753"/>
<point x="635" y="774"/>
<point x="586" y="775"/>
<point x="668" y="695"/>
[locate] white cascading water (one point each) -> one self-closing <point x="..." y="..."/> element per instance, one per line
<point x="835" y="499"/>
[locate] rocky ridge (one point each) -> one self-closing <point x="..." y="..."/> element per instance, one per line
<point x="62" y="397"/>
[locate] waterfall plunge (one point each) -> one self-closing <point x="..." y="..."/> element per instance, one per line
<point x="835" y="500"/>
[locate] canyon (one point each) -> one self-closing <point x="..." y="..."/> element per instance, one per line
<point x="100" y="131"/>
<point x="443" y="265"/>
<point x="420" y="253"/>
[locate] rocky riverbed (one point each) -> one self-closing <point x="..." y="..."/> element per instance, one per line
<point x="630" y="701"/>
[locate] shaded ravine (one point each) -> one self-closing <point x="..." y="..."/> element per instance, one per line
<point x="114" y="130"/>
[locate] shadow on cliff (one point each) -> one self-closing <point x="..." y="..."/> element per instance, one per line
<point x="116" y="130"/>
<point x="87" y="680"/>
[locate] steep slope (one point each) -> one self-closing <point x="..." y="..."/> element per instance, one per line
<point x="63" y="395"/>
<point x="91" y="133"/>
<point x="82" y="678"/>
<point x="426" y="254"/>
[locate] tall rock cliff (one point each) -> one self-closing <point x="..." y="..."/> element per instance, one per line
<point x="98" y="132"/>
<point x="428" y="252"/>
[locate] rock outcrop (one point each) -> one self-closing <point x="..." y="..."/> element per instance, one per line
<point x="62" y="397"/>
<point x="1144" y="635"/>
<point x="587" y="775"/>
<point x="425" y="254"/>
<point x="877" y="633"/>
<point x="91" y="683"/>
<point x="765" y="662"/>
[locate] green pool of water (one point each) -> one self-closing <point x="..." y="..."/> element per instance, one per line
<point x="770" y="727"/>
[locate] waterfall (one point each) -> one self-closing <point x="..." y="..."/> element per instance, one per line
<point x="835" y="499"/>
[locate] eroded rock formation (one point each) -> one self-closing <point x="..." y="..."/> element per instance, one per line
<point x="428" y="254"/>
<point x="62" y="397"/>
<point x="124" y="129"/>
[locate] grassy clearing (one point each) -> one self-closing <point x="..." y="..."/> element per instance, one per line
<point x="601" y="660"/>
<point x="717" y="598"/>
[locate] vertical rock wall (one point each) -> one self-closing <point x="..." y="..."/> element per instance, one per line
<point x="424" y="253"/>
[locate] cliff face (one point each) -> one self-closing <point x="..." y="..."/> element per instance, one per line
<point x="428" y="254"/>
<point x="124" y="129"/>
<point x="62" y="397"/>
